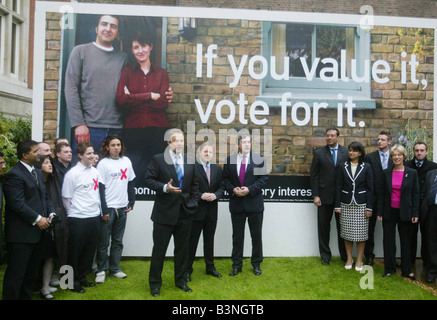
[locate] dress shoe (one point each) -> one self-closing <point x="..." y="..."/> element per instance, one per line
<point x="78" y="289"/>
<point x="369" y="260"/>
<point x="325" y="262"/>
<point x="185" y="288"/>
<point x="155" y="292"/>
<point x="235" y="271"/>
<point x="386" y="275"/>
<point x="257" y="271"/>
<point x="87" y="284"/>
<point x="348" y="266"/>
<point x="358" y="268"/>
<point x="214" y="273"/>
<point x="410" y="276"/>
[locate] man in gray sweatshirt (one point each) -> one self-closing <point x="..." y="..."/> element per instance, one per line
<point x="91" y="81"/>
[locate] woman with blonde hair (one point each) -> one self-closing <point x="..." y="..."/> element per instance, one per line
<point x="400" y="207"/>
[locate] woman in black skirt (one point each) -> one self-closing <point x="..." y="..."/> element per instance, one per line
<point x="354" y="199"/>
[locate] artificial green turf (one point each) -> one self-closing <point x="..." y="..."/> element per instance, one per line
<point x="282" y="279"/>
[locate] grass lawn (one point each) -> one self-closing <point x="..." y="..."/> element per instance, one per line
<point x="282" y="279"/>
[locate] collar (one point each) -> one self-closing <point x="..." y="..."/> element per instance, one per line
<point x="175" y="157"/>
<point x="30" y="168"/>
<point x="103" y="48"/>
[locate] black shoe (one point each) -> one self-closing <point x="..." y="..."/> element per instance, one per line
<point x="386" y="275"/>
<point x="187" y="277"/>
<point x="235" y="271"/>
<point x="185" y="288"/>
<point x="325" y="262"/>
<point x="88" y="284"/>
<point x="214" y="273"/>
<point x="257" y="271"/>
<point x="155" y="292"/>
<point x="369" y="260"/>
<point x="411" y="277"/>
<point x="78" y="289"/>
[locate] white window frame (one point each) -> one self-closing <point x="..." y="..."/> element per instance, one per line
<point x="317" y="89"/>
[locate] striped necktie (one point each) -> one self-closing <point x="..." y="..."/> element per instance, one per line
<point x="384" y="161"/>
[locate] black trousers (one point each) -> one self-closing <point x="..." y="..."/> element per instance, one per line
<point x="23" y="260"/>
<point x="430" y="233"/>
<point x="255" y="220"/>
<point x="208" y="227"/>
<point x="162" y="234"/>
<point x="405" y="229"/>
<point x="369" y="248"/>
<point x="324" y="217"/>
<point x="82" y="246"/>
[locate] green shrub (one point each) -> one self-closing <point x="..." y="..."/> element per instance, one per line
<point x="12" y="131"/>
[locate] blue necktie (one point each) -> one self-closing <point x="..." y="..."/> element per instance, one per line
<point x="179" y="172"/>
<point x="334" y="156"/>
<point x="384" y="161"/>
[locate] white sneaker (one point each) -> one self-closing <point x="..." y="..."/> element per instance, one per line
<point x="100" y="277"/>
<point x="120" y="275"/>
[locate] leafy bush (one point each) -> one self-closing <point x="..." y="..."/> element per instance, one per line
<point x="12" y="131"/>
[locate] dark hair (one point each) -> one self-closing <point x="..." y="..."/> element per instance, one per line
<point x="357" y="146"/>
<point x="2" y="154"/>
<point x="60" y="145"/>
<point x="24" y="147"/>
<point x="421" y="142"/>
<point x="82" y="146"/>
<point x="60" y="138"/>
<point x="110" y="15"/>
<point x="142" y="38"/>
<point x="103" y="149"/>
<point x="335" y="129"/>
<point x="41" y="160"/>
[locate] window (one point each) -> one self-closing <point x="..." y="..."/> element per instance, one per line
<point x="316" y="62"/>
<point x="13" y="39"/>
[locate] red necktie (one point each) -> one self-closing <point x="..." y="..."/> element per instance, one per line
<point x="242" y="170"/>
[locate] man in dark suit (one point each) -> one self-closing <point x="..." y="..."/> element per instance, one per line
<point x="420" y="163"/>
<point x="378" y="160"/>
<point x="211" y="189"/>
<point x="323" y="178"/>
<point x="172" y="176"/>
<point x="28" y="212"/>
<point x="244" y="177"/>
<point x="428" y="218"/>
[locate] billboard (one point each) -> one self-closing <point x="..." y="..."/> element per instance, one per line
<point x="284" y="76"/>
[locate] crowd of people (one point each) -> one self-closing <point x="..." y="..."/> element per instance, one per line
<point x="382" y="186"/>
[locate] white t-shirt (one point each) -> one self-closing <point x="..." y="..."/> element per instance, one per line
<point x="81" y="185"/>
<point x="115" y="175"/>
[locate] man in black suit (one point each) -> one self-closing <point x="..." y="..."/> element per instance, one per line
<point x="378" y="160"/>
<point x="28" y="212"/>
<point x="173" y="178"/>
<point x="244" y="177"/>
<point x="211" y="189"/>
<point x="323" y="178"/>
<point x="428" y="227"/>
<point x="420" y="163"/>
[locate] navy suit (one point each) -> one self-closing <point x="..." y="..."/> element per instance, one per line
<point x="250" y="207"/>
<point x="172" y="215"/>
<point x="26" y="199"/>
<point x="323" y="173"/>
<point x="205" y="218"/>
